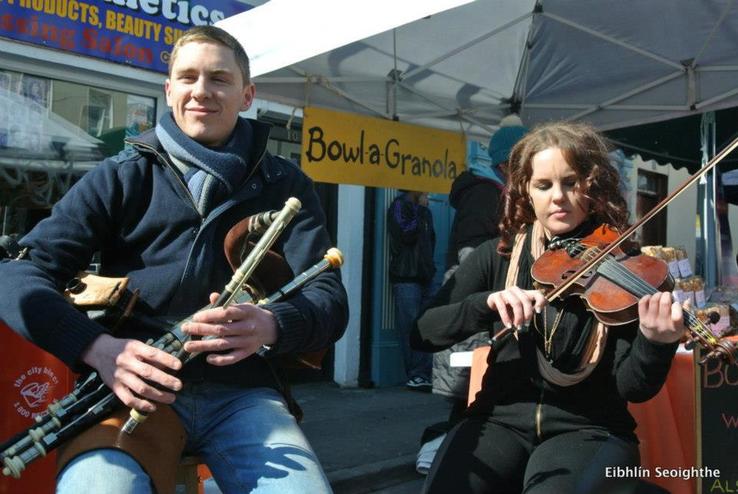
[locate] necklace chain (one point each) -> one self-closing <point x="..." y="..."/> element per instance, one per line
<point x="548" y="336"/>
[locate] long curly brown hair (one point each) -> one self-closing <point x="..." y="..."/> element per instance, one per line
<point x="585" y="150"/>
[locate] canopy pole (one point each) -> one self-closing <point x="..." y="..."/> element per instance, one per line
<point x="706" y="241"/>
<point x="394" y="79"/>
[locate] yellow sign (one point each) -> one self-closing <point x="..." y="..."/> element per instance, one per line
<point x="345" y="148"/>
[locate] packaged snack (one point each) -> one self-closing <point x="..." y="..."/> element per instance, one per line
<point x="669" y="255"/>
<point x="728" y="296"/>
<point x="722" y="326"/>
<point x="687" y="287"/>
<point x="652" y="250"/>
<point x="698" y="285"/>
<point x="685" y="268"/>
<point x="678" y="291"/>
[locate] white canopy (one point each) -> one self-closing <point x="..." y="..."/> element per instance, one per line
<point x="613" y="63"/>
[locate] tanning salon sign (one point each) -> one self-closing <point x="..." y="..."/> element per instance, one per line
<point x="134" y="32"/>
<point x="344" y="148"/>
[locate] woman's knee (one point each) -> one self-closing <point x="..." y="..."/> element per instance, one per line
<point x="478" y="456"/>
<point x="578" y="462"/>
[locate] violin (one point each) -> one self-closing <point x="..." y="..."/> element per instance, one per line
<point x="612" y="286"/>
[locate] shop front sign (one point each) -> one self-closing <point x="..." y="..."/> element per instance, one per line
<point x="346" y="148"/>
<point x="135" y="32"/>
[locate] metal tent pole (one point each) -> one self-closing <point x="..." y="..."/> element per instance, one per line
<point x="707" y="246"/>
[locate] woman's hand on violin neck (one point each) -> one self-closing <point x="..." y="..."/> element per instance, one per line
<point x="661" y="319"/>
<point x="516" y="306"/>
<point x="236" y="332"/>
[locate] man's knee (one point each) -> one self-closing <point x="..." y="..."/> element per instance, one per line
<point x="104" y="471"/>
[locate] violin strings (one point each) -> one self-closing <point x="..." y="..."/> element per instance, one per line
<point x="639" y="287"/>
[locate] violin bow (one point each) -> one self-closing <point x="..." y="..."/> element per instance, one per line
<point x="604" y="251"/>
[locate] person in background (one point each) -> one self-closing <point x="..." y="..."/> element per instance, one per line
<point x="476" y="192"/>
<point x="158" y="213"/>
<point x="475" y="195"/>
<point x="552" y="414"/>
<point x="411" y="270"/>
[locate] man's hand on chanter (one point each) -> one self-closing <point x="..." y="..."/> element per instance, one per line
<point x="236" y="331"/>
<point x="137" y="373"/>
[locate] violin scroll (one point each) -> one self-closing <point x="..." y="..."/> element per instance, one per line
<point x="721" y="349"/>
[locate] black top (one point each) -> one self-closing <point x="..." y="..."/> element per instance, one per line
<point x="412" y="240"/>
<point x="631" y="369"/>
<point x="476" y="201"/>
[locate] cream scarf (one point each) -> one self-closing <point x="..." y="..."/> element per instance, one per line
<point x="598" y="338"/>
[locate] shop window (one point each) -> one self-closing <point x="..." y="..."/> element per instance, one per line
<point x="97" y="115"/>
<point x="286" y="141"/>
<point x="283" y="141"/>
<point x="51" y="133"/>
<point x="651" y="190"/>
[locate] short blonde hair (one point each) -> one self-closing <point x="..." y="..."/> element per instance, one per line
<point x="212" y="34"/>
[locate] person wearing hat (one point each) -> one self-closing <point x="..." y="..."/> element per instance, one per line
<point x="475" y="194"/>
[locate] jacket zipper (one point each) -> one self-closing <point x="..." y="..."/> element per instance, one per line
<point x="162" y="159"/>
<point x="165" y="161"/>
<point x="168" y="164"/>
<point x="256" y="165"/>
<point x="539" y="415"/>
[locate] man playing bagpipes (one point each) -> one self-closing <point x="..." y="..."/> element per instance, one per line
<point x="158" y="213"/>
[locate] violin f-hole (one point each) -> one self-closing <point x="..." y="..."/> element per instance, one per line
<point x="569" y="272"/>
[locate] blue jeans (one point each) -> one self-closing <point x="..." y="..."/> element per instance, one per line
<point x="410" y="300"/>
<point x="247" y="437"/>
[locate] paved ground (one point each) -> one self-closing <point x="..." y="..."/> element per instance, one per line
<point x="368" y="439"/>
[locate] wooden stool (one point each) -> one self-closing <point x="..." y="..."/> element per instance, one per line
<point x="191" y="473"/>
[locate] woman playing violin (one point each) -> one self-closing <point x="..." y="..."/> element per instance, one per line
<point x="551" y="415"/>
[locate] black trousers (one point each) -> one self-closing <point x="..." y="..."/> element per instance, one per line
<point x="482" y="456"/>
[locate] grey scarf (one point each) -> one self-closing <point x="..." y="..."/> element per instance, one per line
<point x="211" y="174"/>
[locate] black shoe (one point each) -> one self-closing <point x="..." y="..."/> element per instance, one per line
<point x="418" y="383"/>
